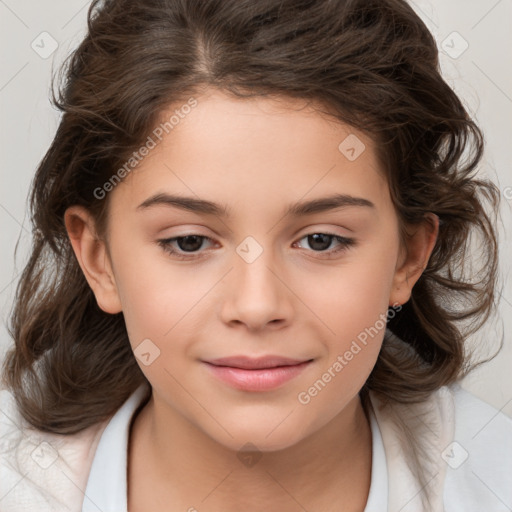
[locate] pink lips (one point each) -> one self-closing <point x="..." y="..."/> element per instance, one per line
<point x="256" y="374"/>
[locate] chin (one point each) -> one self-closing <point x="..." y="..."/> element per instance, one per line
<point x="263" y="438"/>
<point x="245" y="444"/>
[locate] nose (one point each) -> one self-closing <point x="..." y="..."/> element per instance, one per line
<point x="256" y="293"/>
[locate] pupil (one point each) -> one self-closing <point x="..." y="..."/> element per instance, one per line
<point x="187" y="246"/>
<point x="319" y="239"/>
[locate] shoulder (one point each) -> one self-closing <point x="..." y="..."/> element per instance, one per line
<point x="40" y="470"/>
<point x="476" y="417"/>
<point x="479" y="458"/>
<point x="453" y="450"/>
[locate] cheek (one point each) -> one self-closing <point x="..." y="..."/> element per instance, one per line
<point x="354" y="308"/>
<point x="352" y="304"/>
<point x="153" y="294"/>
<point x="351" y="296"/>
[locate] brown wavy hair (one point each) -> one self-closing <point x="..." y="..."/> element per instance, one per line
<point x="370" y="63"/>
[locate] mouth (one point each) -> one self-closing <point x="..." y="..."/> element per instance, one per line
<point x="256" y="374"/>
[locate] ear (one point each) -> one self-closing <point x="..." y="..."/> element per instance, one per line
<point x="414" y="258"/>
<point x="93" y="258"/>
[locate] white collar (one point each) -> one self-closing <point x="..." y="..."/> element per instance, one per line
<point x="414" y="437"/>
<point x="106" y="489"/>
<point x="378" y="496"/>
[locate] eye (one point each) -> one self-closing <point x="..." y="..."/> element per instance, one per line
<point x="187" y="244"/>
<point x="320" y="242"/>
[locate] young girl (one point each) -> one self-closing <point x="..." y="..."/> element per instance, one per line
<point x="250" y="285"/>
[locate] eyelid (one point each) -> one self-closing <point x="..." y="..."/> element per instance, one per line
<point x="344" y="242"/>
<point x="165" y="244"/>
<point x="325" y="228"/>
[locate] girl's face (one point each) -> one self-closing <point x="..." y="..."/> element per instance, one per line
<point x="261" y="179"/>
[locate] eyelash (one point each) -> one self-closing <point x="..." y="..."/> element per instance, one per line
<point x="345" y="243"/>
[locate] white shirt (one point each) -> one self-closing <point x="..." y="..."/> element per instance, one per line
<point x="107" y="488"/>
<point x="456" y="443"/>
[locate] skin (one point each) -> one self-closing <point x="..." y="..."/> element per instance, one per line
<point x="256" y="156"/>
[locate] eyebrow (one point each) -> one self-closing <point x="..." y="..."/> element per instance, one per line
<point x="298" y="209"/>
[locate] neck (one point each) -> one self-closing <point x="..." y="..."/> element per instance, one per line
<point x="190" y="469"/>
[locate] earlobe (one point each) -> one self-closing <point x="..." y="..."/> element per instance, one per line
<point x="419" y="248"/>
<point x="93" y="258"/>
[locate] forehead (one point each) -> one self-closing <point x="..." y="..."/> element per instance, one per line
<point x="254" y="152"/>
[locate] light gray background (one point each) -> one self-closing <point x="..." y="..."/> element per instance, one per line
<point x="481" y="74"/>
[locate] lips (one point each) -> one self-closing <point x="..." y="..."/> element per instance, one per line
<point x="256" y="374"/>
<point x="249" y="363"/>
